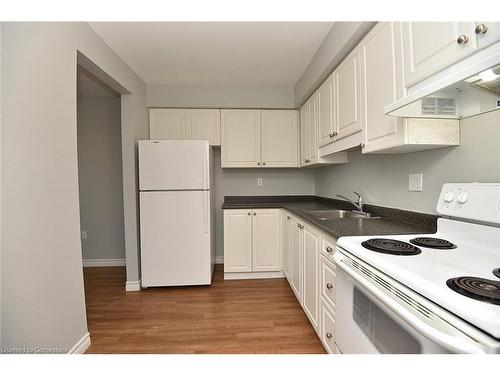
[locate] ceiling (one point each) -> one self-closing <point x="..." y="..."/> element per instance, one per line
<point x="215" y="53"/>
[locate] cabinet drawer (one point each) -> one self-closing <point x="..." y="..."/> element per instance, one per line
<point x="328" y="282"/>
<point x="328" y="248"/>
<point x="328" y="328"/>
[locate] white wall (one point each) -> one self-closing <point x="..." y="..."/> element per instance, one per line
<point x="1" y="211"/>
<point x="220" y="96"/>
<point x="100" y="179"/>
<point x="244" y="182"/>
<point x="43" y="298"/>
<point x="338" y="43"/>
<point x="383" y="179"/>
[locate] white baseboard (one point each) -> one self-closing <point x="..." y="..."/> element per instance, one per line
<point x="219" y="259"/>
<point x="133" y="286"/>
<point x="81" y="346"/>
<point x="253" y="275"/>
<point x="104" y="263"/>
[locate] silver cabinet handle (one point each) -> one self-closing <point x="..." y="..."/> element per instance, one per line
<point x="331" y="135"/>
<point x="254" y="213"/>
<point x="288" y="217"/>
<point x="481" y="29"/>
<point x="329" y="286"/>
<point x="264" y="163"/>
<point x="462" y="39"/>
<point x="329" y="250"/>
<point x="249" y="214"/>
<point x="307" y="161"/>
<point x="329" y="335"/>
<point x="335" y="134"/>
<point x="300" y="226"/>
<point x="258" y="163"/>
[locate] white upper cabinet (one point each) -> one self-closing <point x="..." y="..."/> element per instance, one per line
<point x="382" y="71"/>
<point x="240" y="138"/>
<point x="487" y="33"/>
<point x="305" y="134"/>
<point x="203" y="124"/>
<point x="432" y="46"/>
<point x="326" y="112"/>
<point x="347" y="114"/>
<point x="167" y="123"/>
<point x="280" y="134"/>
<point x="255" y="138"/>
<point x="266" y="240"/>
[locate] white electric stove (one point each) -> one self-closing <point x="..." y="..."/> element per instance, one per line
<point x="435" y="293"/>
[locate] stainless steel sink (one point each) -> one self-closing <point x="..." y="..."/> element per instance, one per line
<point x="340" y="214"/>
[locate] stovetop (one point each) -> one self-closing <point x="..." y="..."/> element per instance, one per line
<point x="473" y="252"/>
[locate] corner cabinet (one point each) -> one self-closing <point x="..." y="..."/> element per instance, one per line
<point x="252" y="243"/>
<point x="171" y="123"/>
<point x="259" y="139"/>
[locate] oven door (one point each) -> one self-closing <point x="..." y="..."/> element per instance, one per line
<point x="375" y="314"/>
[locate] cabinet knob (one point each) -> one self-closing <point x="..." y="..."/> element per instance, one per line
<point x="329" y="335"/>
<point x="249" y="214"/>
<point x="329" y="250"/>
<point x="307" y="161"/>
<point x="264" y="163"/>
<point x="481" y="29"/>
<point x="329" y="286"/>
<point x="362" y="145"/>
<point x="254" y="214"/>
<point x="331" y="135"/>
<point x="288" y="217"/>
<point x="300" y="226"/>
<point x="335" y="134"/>
<point x="258" y="163"/>
<point x="462" y="39"/>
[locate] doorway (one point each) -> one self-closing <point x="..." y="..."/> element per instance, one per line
<point x="100" y="182"/>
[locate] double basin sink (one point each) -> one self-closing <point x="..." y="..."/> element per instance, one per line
<point x="340" y="214"/>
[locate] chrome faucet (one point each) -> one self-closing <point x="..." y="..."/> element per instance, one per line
<point x="358" y="204"/>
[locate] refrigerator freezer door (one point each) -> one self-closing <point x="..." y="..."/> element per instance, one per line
<point x="174" y="165"/>
<point x="175" y="238"/>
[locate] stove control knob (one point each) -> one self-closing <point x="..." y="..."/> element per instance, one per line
<point x="462" y="197"/>
<point x="449" y="196"/>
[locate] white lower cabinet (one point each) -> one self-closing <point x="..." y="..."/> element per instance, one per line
<point x="286" y="247"/>
<point x="252" y="243"/>
<point x="310" y="271"/>
<point x="327" y="331"/>
<point x="297" y="249"/>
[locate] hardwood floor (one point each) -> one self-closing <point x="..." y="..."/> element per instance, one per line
<point x="236" y="316"/>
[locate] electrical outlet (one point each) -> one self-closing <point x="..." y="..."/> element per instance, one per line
<point x="84" y="234"/>
<point x="415" y="182"/>
<point x="259" y="181"/>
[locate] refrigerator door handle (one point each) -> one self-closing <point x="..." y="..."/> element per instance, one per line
<point x="205" y="211"/>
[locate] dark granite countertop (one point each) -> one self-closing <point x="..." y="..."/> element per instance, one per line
<point x="391" y="221"/>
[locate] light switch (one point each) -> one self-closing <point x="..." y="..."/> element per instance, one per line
<point x="259" y="181"/>
<point x="415" y="182"/>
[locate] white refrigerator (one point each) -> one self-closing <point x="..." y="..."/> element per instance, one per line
<point x="176" y="213"/>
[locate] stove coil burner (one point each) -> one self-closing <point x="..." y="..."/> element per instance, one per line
<point x="477" y="288"/>
<point x="388" y="246"/>
<point x="433" y="243"/>
<point x="496" y="272"/>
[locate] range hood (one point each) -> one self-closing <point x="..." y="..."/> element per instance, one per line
<point x="457" y="95"/>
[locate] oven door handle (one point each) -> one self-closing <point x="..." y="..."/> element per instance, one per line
<point x="435" y="329"/>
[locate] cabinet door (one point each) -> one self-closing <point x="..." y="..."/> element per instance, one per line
<point x="167" y="123"/>
<point x="311" y="274"/>
<point x="203" y="124"/>
<point x="285" y="243"/>
<point x="313" y="128"/>
<point x="266" y="240"/>
<point x="237" y="241"/>
<point x="487" y="33"/>
<point x="240" y="138"/>
<point x="325" y="112"/>
<point x="347" y="116"/>
<point x="382" y="72"/>
<point x="297" y="240"/>
<point x="432" y="46"/>
<point x="304" y="136"/>
<point x="279" y="138"/>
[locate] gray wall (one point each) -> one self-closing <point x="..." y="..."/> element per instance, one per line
<point x="220" y="96"/>
<point x="100" y="179"/>
<point x="42" y="282"/>
<point x="338" y="43"/>
<point x="383" y="179"/>
<point x="244" y="182"/>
